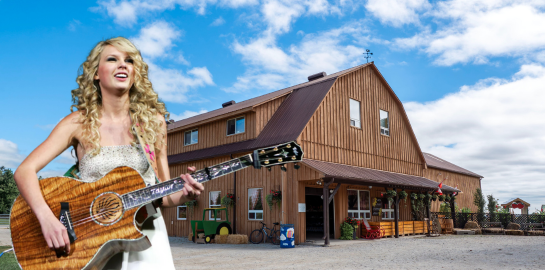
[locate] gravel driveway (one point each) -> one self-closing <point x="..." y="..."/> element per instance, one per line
<point x="417" y="252"/>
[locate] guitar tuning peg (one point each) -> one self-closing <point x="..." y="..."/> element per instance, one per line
<point x="266" y="162"/>
<point x="296" y="166"/>
<point x="293" y="158"/>
<point x="288" y="146"/>
<point x="283" y="168"/>
<point x="262" y="152"/>
<point x="275" y="149"/>
<point x="280" y="160"/>
<point x="269" y="168"/>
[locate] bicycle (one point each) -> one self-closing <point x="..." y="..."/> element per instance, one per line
<point x="257" y="236"/>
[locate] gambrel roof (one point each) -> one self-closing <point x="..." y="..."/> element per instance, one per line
<point x="439" y="163"/>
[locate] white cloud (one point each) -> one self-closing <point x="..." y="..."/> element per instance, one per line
<point x="494" y="128"/>
<point x="217" y="22"/>
<point x="9" y="154"/>
<point x="186" y="114"/>
<point x="397" y="12"/>
<point x="172" y="84"/>
<point x="271" y="67"/>
<point x="126" y="13"/>
<point x="156" y="39"/>
<point x="475" y="30"/>
<point x="73" y="25"/>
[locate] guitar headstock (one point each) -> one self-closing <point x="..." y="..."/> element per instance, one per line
<point x="279" y="154"/>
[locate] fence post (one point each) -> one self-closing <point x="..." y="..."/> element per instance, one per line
<point x="453" y="213"/>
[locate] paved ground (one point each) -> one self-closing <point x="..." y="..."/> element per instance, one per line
<point x="445" y="252"/>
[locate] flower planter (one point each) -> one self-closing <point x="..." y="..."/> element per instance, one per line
<point x="420" y="227"/>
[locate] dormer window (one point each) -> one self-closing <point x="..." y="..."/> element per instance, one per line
<point x="235" y="126"/>
<point x="355" y="113"/>
<point x="191" y="137"/>
<point x="384" y="123"/>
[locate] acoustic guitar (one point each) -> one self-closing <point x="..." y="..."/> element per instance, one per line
<point x="104" y="218"/>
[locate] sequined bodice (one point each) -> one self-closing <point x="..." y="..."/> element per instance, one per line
<point x="93" y="168"/>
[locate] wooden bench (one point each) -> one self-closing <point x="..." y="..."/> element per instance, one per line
<point x="492" y="227"/>
<point x="531" y="226"/>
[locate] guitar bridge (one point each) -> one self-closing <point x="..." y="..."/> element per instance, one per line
<point x="66" y="220"/>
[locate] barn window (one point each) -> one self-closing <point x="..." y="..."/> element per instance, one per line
<point x="355" y="113"/>
<point x="359" y="204"/>
<point x="255" y="204"/>
<point x="384" y="123"/>
<point x="235" y="126"/>
<point x="214" y="201"/>
<point x="181" y="212"/>
<point x="191" y="137"/>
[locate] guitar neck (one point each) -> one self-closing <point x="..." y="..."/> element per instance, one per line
<point x="148" y="194"/>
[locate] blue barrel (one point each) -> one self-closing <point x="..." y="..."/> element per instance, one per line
<point x="287" y="236"/>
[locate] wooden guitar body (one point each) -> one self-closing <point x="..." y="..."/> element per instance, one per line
<point x="111" y="230"/>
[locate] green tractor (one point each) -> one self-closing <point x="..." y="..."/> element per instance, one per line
<point x="211" y="228"/>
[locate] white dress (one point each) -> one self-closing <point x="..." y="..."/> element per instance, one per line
<point x="159" y="255"/>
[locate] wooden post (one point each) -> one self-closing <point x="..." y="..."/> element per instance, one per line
<point x="453" y="213"/>
<point x="428" y="213"/>
<point x="396" y="213"/>
<point x="234" y="218"/>
<point x="284" y="200"/>
<point x="326" y="213"/>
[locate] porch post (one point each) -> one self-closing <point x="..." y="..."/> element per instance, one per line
<point x="428" y="213"/>
<point x="396" y="213"/>
<point x="326" y="213"/>
<point x="453" y="213"/>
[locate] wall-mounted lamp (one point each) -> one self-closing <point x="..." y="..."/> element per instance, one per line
<point x="269" y="168"/>
<point x="283" y="168"/>
<point x="331" y="191"/>
<point x="370" y="187"/>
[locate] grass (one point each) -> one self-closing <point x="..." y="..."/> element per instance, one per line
<point x="8" y="261"/>
<point x="4" y="221"/>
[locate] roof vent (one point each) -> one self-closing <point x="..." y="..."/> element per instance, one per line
<point x="228" y="103"/>
<point x="316" y="76"/>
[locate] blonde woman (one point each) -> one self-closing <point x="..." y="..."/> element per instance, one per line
<point x="113" y="96"/>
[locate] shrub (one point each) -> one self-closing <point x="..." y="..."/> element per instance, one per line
<point x="347" y="231"/>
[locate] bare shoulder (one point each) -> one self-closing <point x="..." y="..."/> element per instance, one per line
<point x="71" y="124"/>
<point x="161" y="119"/>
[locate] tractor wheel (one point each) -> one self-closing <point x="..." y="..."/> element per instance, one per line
<point x="224" y="229"/>
<point x="208" y="239"/>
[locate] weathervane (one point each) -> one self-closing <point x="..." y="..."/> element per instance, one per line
<point x="368" y="54"/>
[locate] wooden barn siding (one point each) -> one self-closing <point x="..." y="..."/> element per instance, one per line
<point x="467" y="184"/>
<point x="247" y="178"/>
<point x="215" y="133"/>
<point x="329" y="137"/>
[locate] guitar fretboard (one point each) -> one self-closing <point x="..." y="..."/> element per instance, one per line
<point x="148" y="194"/>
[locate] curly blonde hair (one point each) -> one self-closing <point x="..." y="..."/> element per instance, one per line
<point x="144" y="104"/>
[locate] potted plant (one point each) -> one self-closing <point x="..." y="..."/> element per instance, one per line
<point x="447" y="198"/>
<point x="414" y="197"/>
<point x="274" y="197"/>
<point x="354" y="223"/>
<point x="421" y="196"/>
<point x="434" y="197"/>
<point x="441" y="197"/>
<point x="190" y="207"/>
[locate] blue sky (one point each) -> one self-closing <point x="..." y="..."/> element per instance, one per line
<point x="470" y="72"/>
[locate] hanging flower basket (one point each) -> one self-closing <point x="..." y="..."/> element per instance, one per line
<point x="390" y="194"/>
<point x="274" y="197"/>
<point x="441" y="198"/>
<point x="228" y="200"/>
<point x="403" y="195"/>
<point x="434" y="197"/>
<point x="447" y="198"/>
<point x="191" y="207"/>
<point x="421" y="196"/>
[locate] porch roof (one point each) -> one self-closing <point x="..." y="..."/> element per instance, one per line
<point x="347" y="174"/>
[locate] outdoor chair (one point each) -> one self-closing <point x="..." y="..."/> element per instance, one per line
<point x="372" y="232"/>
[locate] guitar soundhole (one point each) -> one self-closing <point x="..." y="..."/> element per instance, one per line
<point x="107" y="209"/>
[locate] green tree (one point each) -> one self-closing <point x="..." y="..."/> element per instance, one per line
<point x="8" y="190"/>
<point x="492" y="202"/>
<point x="479" y="200"/>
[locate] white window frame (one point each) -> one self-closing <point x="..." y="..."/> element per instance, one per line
<point x="355" y="122"/>
<point x="213" y="205"/>
<point x="388" y="214"/>
<point x="236" y="118"/>
<point x="191" y="132"/>
<point x="384" y="131"/>
<point x="366" y="213"/>
<point x="256" y="211"/>
<point x="178" y="212"/>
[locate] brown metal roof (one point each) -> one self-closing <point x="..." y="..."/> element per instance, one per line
<point x="241" y="106"/>
<point x="286" y="124"/>
<point x="439" y="163"/>
<point x="369" y="176"/>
